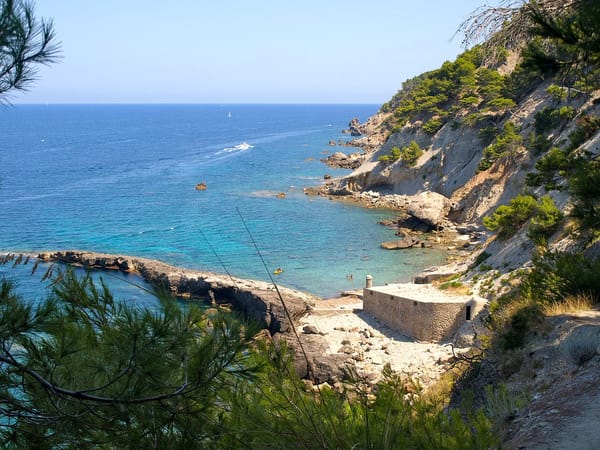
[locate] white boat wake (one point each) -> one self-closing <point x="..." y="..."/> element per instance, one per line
<point x="238" y="148"/>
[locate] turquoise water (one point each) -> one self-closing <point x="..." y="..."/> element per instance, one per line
<point x="121" y="179"/>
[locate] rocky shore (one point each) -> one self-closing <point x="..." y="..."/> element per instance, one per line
<point x="422" y="220"/>
<point x="334" y="333"/>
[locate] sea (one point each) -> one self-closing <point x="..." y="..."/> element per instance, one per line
<point x="122" y="179"/>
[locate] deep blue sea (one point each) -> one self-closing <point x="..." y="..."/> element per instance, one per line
<point x="121" y="179"/>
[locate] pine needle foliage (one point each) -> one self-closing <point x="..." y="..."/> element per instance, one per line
<point x="25" y="42"/>
<point x="85" y="370"/>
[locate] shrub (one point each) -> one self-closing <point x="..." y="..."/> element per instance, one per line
<point x="505" y="143"/>
<point x="545" y="220"/>
<point x="555" y="160"/>
<point x="520" y="324"/>
<point x="500" y="404"/>
<point x="470" y="100"/>
<point x="583" y="185"/>
<point x="501" y="104"/>
<point x="507" y="219"/>
<point x="558" y="275"/>
<point x="411" y="153"/>
<point x="581" y="345"/>
<point x="490" y="83"/>
<point x="558" y="93"/>
<point x="480" y="258"/>
<point x="538" y="143"/>
<point x="554" y="163"/>
<point x="392" y="157"/>
<point x="549" y="118"/>
<point x="488" y="134"/>
<point x="432" y="126"/>
<point x="586" y="127"/>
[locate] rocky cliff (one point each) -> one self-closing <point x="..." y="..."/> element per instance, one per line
<point x="455" y="161"/>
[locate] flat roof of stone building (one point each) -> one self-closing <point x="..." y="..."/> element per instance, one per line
<point x="425" y="293"/>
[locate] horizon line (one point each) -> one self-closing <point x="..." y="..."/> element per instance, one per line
<point x="191" y="103"/>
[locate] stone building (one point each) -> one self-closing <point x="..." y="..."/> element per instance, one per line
<point x="420" y="311"/>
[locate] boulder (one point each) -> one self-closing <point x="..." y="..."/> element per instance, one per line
<point x="408" y="242"/>
<point x="429" y="207"/>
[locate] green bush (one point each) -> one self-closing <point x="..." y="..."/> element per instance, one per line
<point x="432" y="126"/>
<point x="480" y="258"/>
<point x="501" y="104"/>
<point x="490" y="84"/>
<point x="519" y="326"/>
<point x="550" y="118"/>
<point x="471" y="100"/>
<point x="555" y="160"/>
<point x="545" y="220"/>
<point x="507" y="219"/>
<point x="554" y="163"/>
<point x="558" y="93"/>
<point x="392" y="157"/>
<point x="506" y="142"/>
<point x="488" y="134"/>
<point x="557" y="275"/>
<point x="538" y="143"/>
<point x="409" y="154"/>
<point x="583" y="185"/>
<point x="586" y="127"/>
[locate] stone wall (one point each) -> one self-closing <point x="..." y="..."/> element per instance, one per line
<point x="421" y="312"/>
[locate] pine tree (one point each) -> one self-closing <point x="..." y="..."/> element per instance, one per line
<point x="24" y="43"/>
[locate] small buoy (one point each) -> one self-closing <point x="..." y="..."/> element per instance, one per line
<point x="201" y="186"/>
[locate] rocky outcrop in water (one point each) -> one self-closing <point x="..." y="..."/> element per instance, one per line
<point x="340" y="160"/>
<point x="354" y="128"/>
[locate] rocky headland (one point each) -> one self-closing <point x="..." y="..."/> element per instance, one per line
<point x="446" y="162"/>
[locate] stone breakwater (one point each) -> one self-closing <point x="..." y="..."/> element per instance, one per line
<point x="257" y="300"/>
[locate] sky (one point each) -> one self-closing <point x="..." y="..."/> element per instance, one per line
<point x="235" y="51"/>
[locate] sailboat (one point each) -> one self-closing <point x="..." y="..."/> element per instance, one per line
<point x="229" y="115"/>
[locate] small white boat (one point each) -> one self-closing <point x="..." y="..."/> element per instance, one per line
<point x="229" y="115"/>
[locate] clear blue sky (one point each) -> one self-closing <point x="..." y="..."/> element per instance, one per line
<point x="234" y="51"/>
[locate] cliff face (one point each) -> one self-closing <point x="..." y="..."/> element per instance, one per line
<point x="450" y="162"/>
<point x="456" y="162"/>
